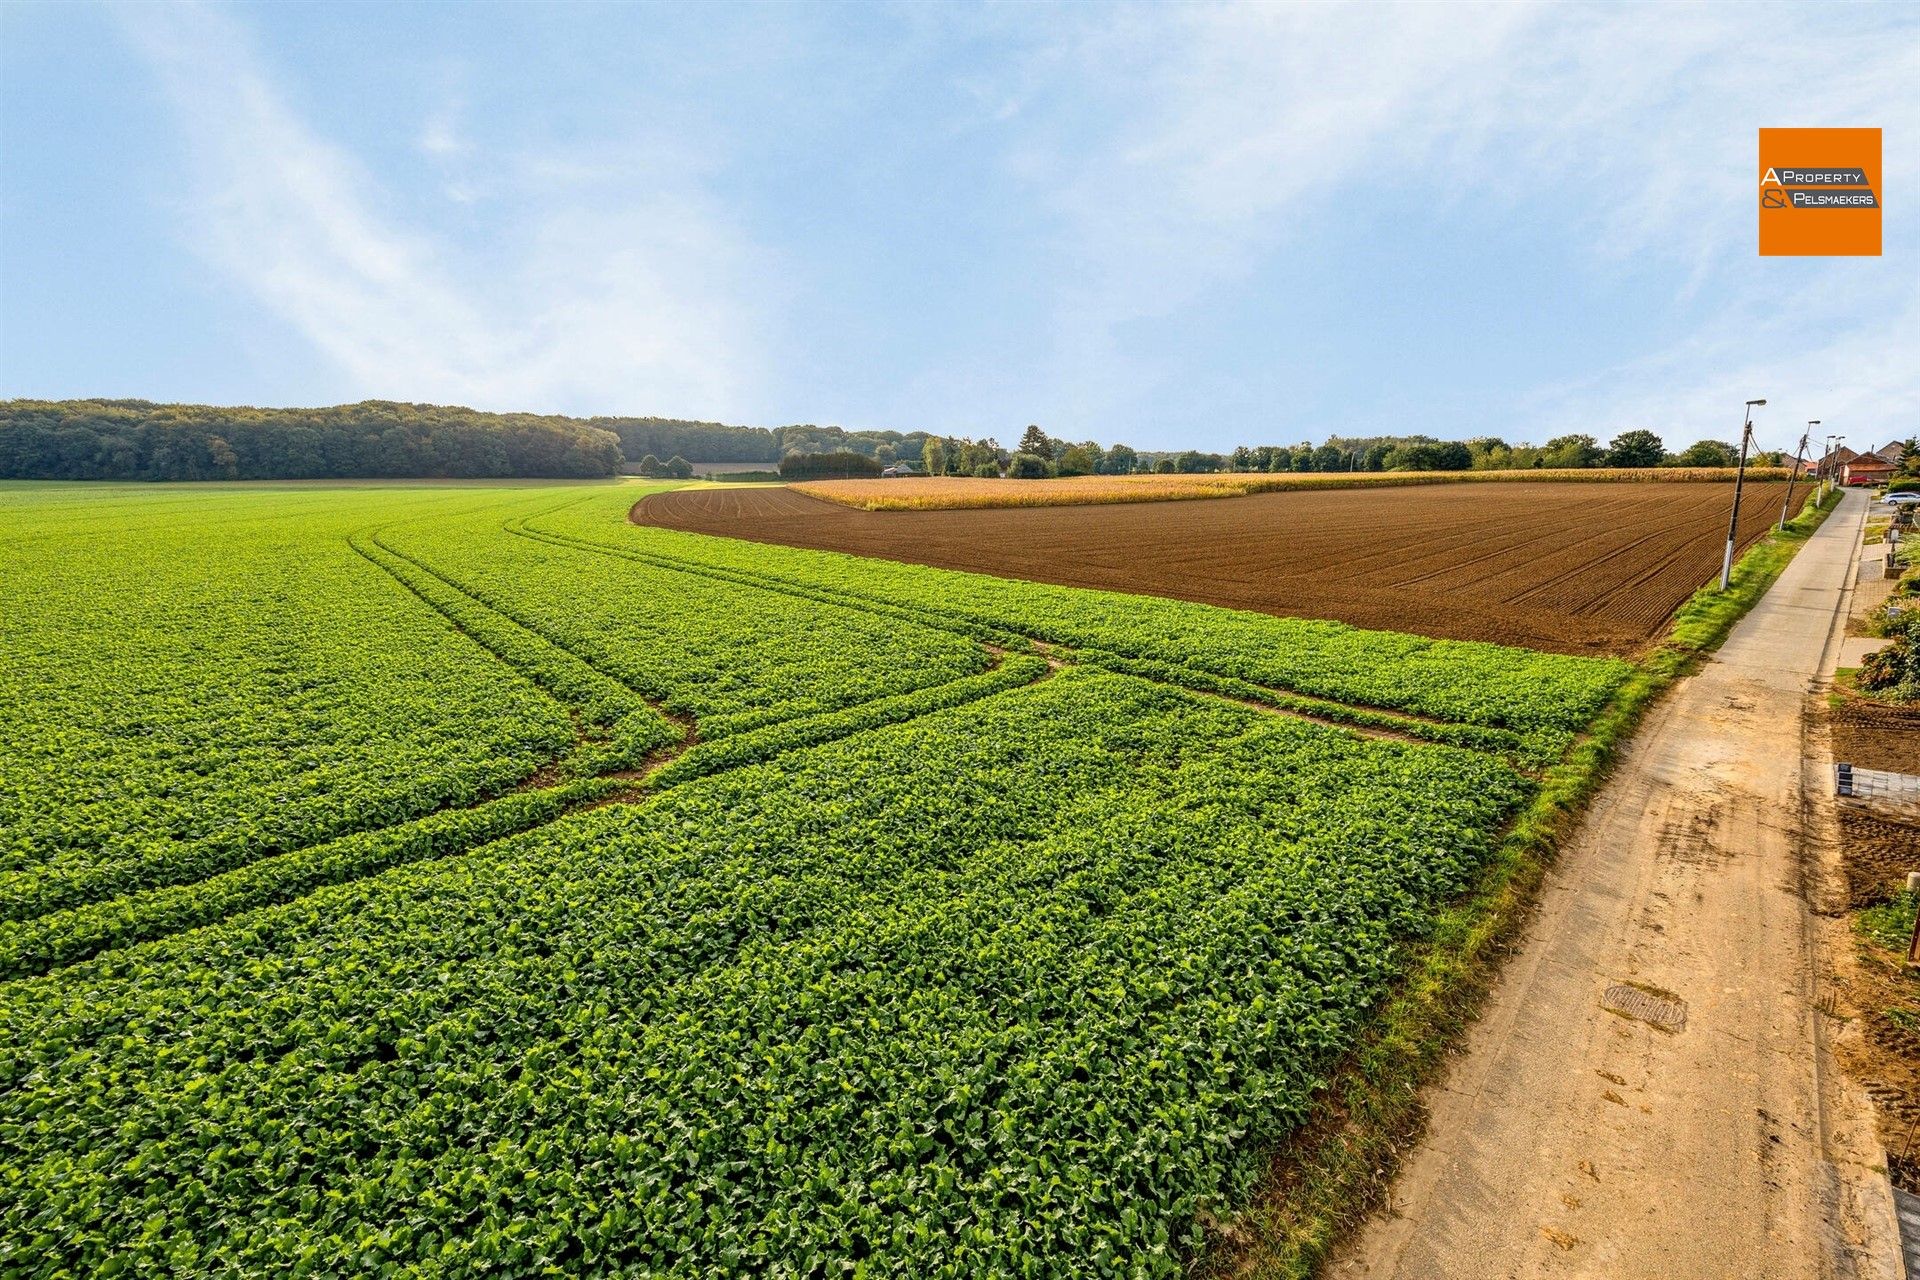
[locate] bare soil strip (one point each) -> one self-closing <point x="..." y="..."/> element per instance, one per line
<point x="1874" y="1000"/>
<point x="1566" y="567"/>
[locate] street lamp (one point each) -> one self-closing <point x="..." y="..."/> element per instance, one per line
<point x="1797" y="455"/>
<point x="1739" y="478"/>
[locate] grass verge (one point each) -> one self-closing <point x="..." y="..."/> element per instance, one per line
<point x="1336" y="1171"/>
<point x="1889" y="925"/>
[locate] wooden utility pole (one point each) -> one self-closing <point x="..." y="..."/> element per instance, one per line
<point x="1786" y="506"/>
<point x="1739" y="479"/>
<point x="1913" y="944"/>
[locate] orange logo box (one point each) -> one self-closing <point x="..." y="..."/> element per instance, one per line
<point x="1819" y="193"/>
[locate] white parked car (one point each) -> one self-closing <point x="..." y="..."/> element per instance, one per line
<point x="1901" y="499"/>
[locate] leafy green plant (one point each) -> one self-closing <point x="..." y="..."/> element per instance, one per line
<point x="1464" y="681"/>
<point x="464" y="880"/>
<point x="784" y="1018"/>
<point x="184" y="691"/>
<point x="1889" y="924"/>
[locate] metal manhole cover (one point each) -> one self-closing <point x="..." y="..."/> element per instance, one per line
<point x="1669" y="1013"/>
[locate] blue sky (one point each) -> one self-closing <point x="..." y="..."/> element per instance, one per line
<point x="1177" y="226"/>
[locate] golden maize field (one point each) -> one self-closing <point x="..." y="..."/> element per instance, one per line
<point x="956" y="493"/>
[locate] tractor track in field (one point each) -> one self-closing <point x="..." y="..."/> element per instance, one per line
<point x="50" y="942"/>
<point x="554" y="769"/>
<point x="1341" y="713"/>
<point x="658" y="771"/>
<point x="36" y="945"/>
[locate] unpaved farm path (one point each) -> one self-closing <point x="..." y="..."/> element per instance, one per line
<point x="1576" y="1140"/>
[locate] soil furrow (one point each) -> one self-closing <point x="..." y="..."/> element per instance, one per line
<point x="1354" y="555"/>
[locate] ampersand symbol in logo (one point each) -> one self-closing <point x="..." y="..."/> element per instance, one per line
<point x="1773" y="198"/>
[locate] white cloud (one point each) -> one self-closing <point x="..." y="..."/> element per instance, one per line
<point x="586" y="299"/>
<point x="1225" y="118"/>
<point x="1168" y="152"/>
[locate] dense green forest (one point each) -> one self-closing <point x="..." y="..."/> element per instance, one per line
<point x="841" y="464"/>
<point x="137" y="440"/>
<point x="717" y="442"/>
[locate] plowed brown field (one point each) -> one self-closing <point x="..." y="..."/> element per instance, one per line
<point x="1565" y="567"/>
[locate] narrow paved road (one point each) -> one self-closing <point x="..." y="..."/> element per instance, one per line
<point x="1691" y="1129"/>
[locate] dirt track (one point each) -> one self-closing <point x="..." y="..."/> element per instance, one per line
<point x="1565" y="567"/>
<point x="1646" y="1093"/>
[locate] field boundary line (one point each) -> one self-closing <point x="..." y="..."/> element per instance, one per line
<point x="692" y="740"/>
<point x="938" y="620"/>
<point x="1360" y="718"/>
<point x="1202" y="680"/>
<point x="1351" y="556"/>
<point x="1332" y="1175"/>
<point x="1355" y="714"/>
<point x="965" y="618"/>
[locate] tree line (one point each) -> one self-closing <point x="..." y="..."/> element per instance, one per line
<point x="718" y="442"/>
<point x="839" y="464"/>
<point x="139" y="440"/>
<point x="1039" y="455"/>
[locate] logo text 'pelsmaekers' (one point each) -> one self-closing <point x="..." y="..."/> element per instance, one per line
<point x="1785" y="186"/>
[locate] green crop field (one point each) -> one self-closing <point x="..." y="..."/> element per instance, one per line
<point x="448" y="880"/>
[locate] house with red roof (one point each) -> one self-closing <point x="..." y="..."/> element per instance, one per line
<point x="1874" y="467"/>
